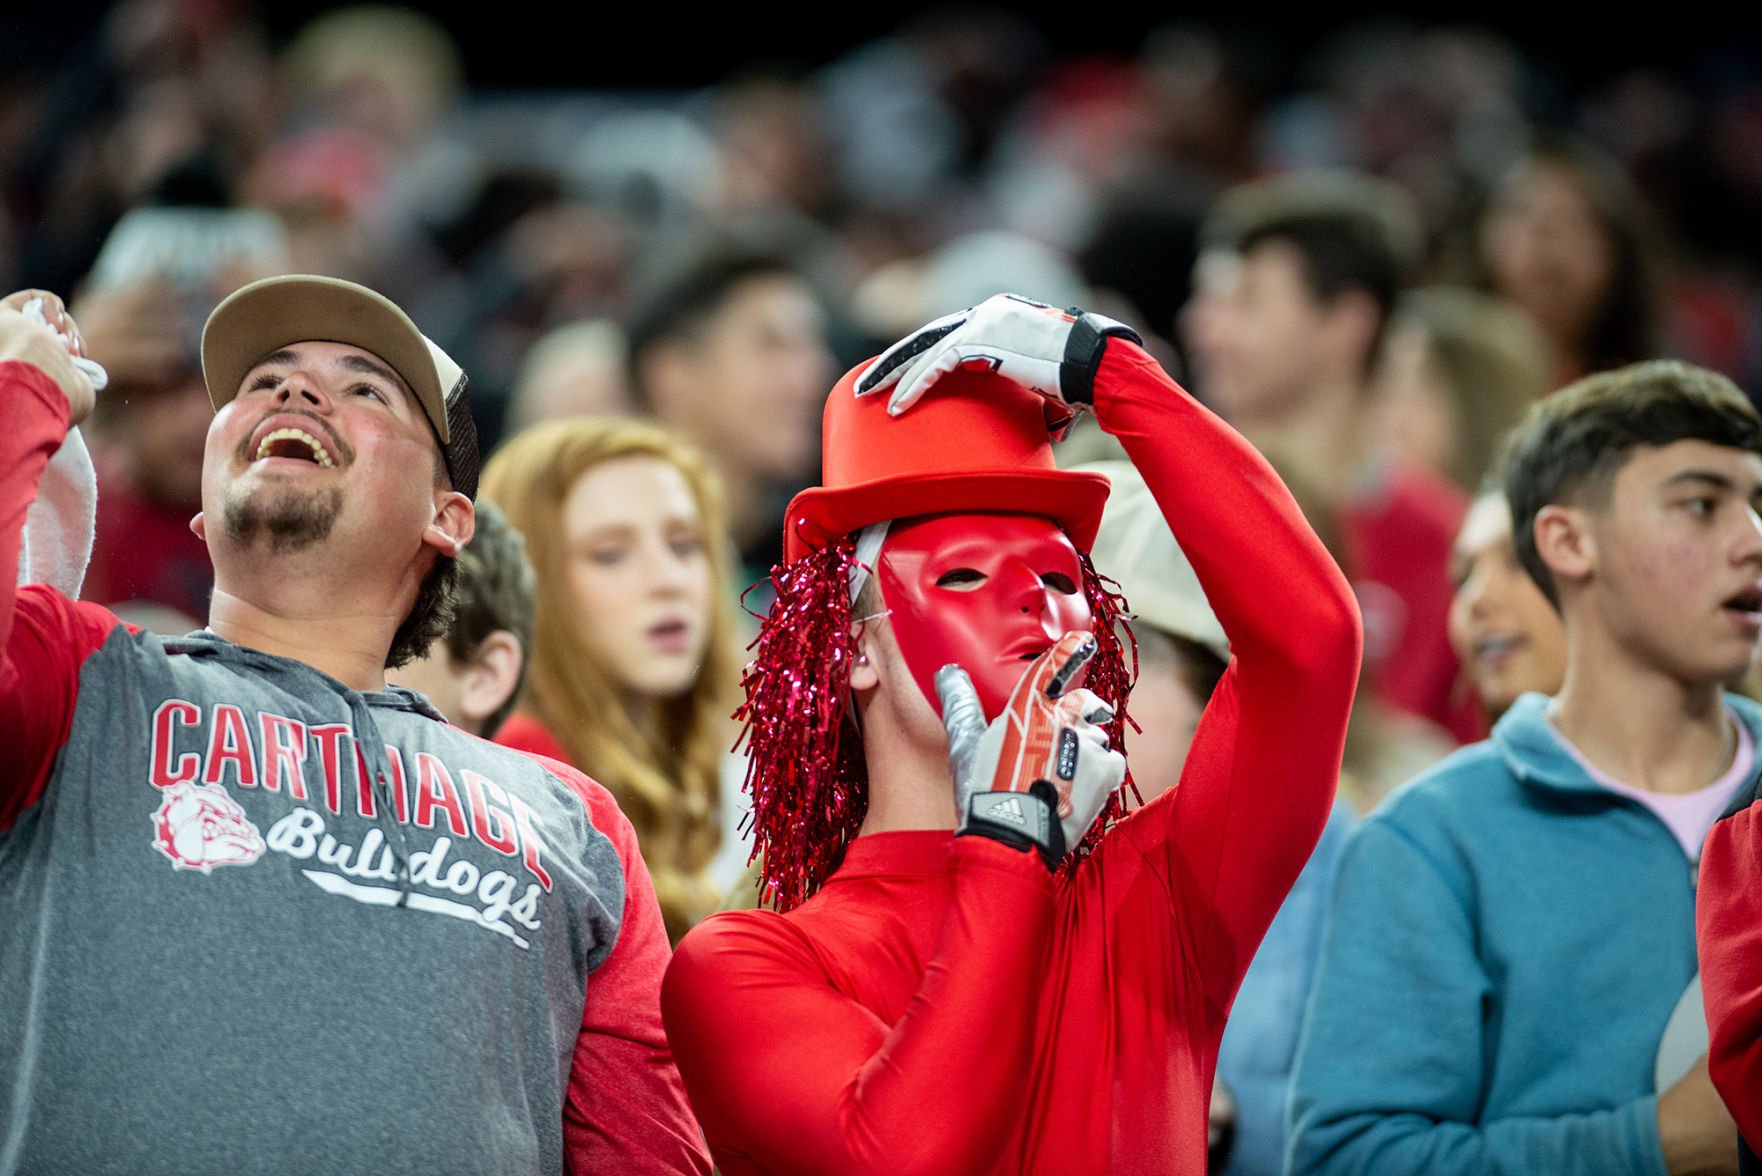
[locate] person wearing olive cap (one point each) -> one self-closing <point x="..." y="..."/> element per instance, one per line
<point x="966" y="971"/>
<point x="263" y="909"/>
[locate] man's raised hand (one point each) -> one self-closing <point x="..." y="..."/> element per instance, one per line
<point x="50" y="349"/>
<point x="1046" y="350"/>
<point x="1039" y="773"/>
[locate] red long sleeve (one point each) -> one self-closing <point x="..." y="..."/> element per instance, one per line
<point x="1728" y="935"/>
<point x="625" y="1109"/>
<point x="790" y="1075"/>
<point x="1259" y="779"/>
<point x="1159" y="925"/>
<point x="43" y="636"/>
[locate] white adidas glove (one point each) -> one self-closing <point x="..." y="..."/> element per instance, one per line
<point x="1046" y="350"/>
<point x="1042" y="771"/>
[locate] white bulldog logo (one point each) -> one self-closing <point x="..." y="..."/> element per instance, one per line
<point x="199" y="827"/>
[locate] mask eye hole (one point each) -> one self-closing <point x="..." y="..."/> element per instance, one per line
<point x="961" y="579"/>
<point x="1059" y="582"/>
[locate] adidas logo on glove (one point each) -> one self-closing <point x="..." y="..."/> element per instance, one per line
<point x="1009" y="810"/>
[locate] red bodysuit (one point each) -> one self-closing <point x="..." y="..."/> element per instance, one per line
<point x="1728" y="934"/>
<point x="942" y="1005"/>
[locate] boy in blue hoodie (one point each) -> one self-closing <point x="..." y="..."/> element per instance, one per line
<point x="1513" y="931"/>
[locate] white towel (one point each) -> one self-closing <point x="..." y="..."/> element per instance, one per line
<point x="60" y="523"/>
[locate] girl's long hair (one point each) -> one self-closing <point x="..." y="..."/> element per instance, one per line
<point x="665" y="780"/>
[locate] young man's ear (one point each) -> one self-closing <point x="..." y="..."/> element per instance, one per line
<point x="864" y="674"/>
<point x="491" y="677"/>
<point x="455" y="521"/>
<point x="1565" y="543"/>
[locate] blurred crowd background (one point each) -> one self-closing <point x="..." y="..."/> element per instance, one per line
<point x="497" y="214"/>
<point x="709" y="241"/>
<point x="1558" y="210"/>
<point x="1369" y="244"/>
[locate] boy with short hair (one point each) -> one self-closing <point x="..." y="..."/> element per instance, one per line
<point x="1295" y="285"/>
<point x="728" y="346"/>
<point x="474" y="673"/>
<point x="1513" y="930"/>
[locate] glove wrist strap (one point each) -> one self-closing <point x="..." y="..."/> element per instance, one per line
<point x="1084" y="347"/>
<point x="1021" y="820"/>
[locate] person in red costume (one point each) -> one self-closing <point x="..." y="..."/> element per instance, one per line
<point x="930" y="996"/>
<point x="1728" y="936"/>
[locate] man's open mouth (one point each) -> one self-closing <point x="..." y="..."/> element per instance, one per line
<point x="294" y="443"/>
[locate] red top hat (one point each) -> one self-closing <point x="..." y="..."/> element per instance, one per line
<point x="976" y="442"/>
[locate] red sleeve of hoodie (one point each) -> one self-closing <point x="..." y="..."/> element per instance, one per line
<point x="44" y="637"/>
<point x="625" y="1108"/>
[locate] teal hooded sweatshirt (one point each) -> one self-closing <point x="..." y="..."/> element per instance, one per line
<point x="1507" y="940"/>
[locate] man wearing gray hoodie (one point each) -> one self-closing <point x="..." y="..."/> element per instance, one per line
<point x="263" y="910"/>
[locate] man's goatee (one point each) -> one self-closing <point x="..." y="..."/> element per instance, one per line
<point x="289" y="523"/>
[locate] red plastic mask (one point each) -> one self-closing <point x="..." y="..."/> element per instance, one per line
<point x="987" y="592"/>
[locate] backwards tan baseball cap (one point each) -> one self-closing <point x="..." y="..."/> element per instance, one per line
<point x="1135" y="547"/>
<point x="260" y="319"/>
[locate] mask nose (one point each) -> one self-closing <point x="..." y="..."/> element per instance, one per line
<point x="1022" y="588"/>
<point x="1026" y="595"/>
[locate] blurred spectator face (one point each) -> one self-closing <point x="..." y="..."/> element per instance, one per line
<point x="162" y="435"/>
<point x="1255" y="330"/>
<point x="749" y="385"/>
<point x="387" y="71"/>
<point x="1457" y="371"/>
<point x="154" y="416"/>
<point x="1418" y="406"/>
<point x="575" y="370"/>
<point x="639" y="572"/>
<point x="1507" y="635"/>
<point x="1549" y="251"/>
<point x="1167" y="708"/>
<point x="323" y="185"/>
<point x="473" y="672"/>
<point x="772" y="153"/>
